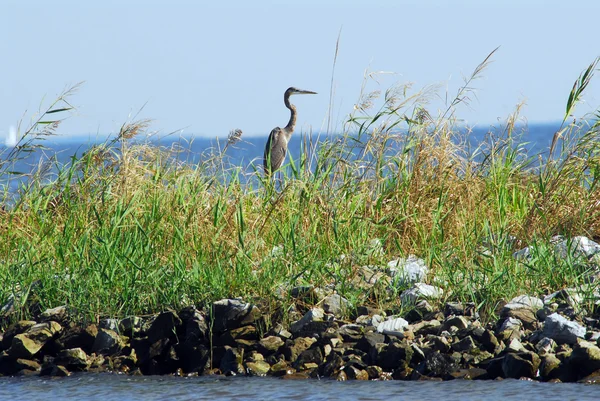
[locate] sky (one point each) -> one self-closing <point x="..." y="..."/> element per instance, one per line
<point x="206" y="67"/>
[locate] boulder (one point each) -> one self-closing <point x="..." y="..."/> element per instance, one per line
<point x="562" y="330"/>
<point x="420" y="291"/>
<point x="393" y="327"/>
<point x="407" y="271"/>
<point x="26" y="345"/>
<point x="336" y="305"/>
<point x="233" y="313"/>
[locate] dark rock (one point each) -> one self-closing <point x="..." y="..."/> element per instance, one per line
<point x="368" y="343"/>
<point x="58" y="314"/>
<point x="74" y="359"/>
<point x="351" y="332"/>
<point x="17" y="328"/>
<point x="26" y="364"/>
<point x="233" y="313"/>
<point x="426" y="327"/>
<point x="393" y="355"/>
<point x="231" y="363"/>
<point x="436" y="365"/>
<point x="107" y="342"/>
<point x="164" y="326"/>
<point x="311" y="355"/>
<point x="551" y="367"/>
<point x="489" y="342"/>
<point x="374" y="372"/>
<point x="585" y="359"/>
<point x="453" y="309"/>
<point x="78" y="337"/>
<point x="354" y="373"/>
<point x="130" y="325"/>
<point x="332" y="365"/>
<point x="494" y="367"/>
<point x="26" y="345"/>
<point x="470" y="374"/>
<point x="522" y="364"/>
<point x="464" y="345"/>
<point x="245" y="335"/>
<point x="281" y="368"/>
<point x="297" y="346"/>
<point x="51" y="369"/>
<point x="193" y="357"/>
<point x="109" y="324"/>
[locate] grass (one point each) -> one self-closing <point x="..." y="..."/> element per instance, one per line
<point x="127" y="229"/>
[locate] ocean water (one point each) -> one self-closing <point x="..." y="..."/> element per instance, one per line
<point x="246" y="154"/>
<point x="105" y="387"/>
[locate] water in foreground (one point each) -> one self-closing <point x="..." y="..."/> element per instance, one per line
<point x="125" y="388"/>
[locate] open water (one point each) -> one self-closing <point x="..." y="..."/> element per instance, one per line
<point x="105" y="387"/>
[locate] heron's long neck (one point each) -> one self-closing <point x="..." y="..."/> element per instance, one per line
<point x="289" y="128"/>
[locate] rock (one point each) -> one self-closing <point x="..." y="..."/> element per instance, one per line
<point x="336" y="305"/>
<point x="74" y="359"/>
<point x="374" y="372"/>
<point x="351" y="332"/>
<point x="78" y="337"/>
<point x="453" y="308"/>
<point x="58" y="314"/>
<point x="311" y="355"/>
<point x="257" y="368"/>
<point x="460" y="322"/>
<point x="550" y="367"/>
<point x="354" y="373"/>
<point x="393" y="327"/>
<point x="313" y="315"/>
<point x="562" y="330"/>
<point x="270" y="345"/>
<point x="522" y="364"/>
<point x="393" y="355"/>
<point x="281" y="368"/>
<point x="420" y="291"/>
<point x="437" y="365"/>
<point x="233" y="313"/>
<point x="109" y="324"/>
<point x="426" y="327"/>
<point x="515" y="346"/>
<point x="54" y="370"/>
<point x="489" y="342"/>
<point x="585" y="358"/>
<point x="332" y="365"/>
<point x="406" y="271"/>
<point x="368" y="343"/>
<point x="130" y="325"/>
<point x="26" y="364"/>
<point x="26" y="345"/>
<point x="299" y="345"/>
<point x="164" y="326"/>
<point x="524" y="301"/>
<point x="369" y="276"/>
<point x="464" y="345"/>
<point x="545" y="346"/>
<point x="17" y="328"/>
<point x="193" y="357"/>
<point x="231" y="363"/>
<point x="107" y="342"/>
<point x="510" y="328"/>
<point x="523" y="308"/>
<point x="577" y="246"/>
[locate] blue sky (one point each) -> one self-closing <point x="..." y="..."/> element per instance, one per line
<point x="207" y="67"/>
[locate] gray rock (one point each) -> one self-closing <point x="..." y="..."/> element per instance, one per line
<point x="393" y="327"/>
<point x="420" y="291"/>
<point x="460" y="322"/>
<point x="524" y="301"/>
<point x="233" y="313"/>
<point x="516" y="345"/>
<point x="313" y="315"/>
<point x="336" y="305"/>
<point x="406" y="271"/>
<point x="464" y="345"/>
<point x="426" y="327"/>
<point x="562" y="330"/>
<point x="351" y="332"/>
<point x="299" y="345"/>
<point x="578" y="246"/>
<point x="511" y="324"/>
<point x="308" y="356"/>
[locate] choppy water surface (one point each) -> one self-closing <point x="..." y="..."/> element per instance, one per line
<point x="123" y="388"/>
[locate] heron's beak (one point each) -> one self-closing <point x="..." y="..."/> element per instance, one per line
<point x="303" y="92"/>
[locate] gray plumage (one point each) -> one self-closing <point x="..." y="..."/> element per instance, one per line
<point x="279" y="138"/>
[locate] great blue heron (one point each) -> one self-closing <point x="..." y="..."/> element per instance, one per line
<point x="277" y="143"/>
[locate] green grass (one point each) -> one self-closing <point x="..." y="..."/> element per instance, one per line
<point x="126" y="230"/>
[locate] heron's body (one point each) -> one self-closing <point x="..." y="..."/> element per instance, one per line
<point x="279" y="138"/>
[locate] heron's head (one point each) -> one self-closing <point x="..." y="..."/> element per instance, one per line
<point x="295" y="91"/>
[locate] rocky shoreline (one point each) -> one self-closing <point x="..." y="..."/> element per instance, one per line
<point x="549" y="339"/>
